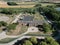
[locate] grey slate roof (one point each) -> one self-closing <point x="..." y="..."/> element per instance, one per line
<point x="28" y="18"/>
<point x="37" y="22"/>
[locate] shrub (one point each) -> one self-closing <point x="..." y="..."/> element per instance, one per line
<point x="2" y="23"/>
<point x="12" y="3"/>
<point x="11" y="26"/>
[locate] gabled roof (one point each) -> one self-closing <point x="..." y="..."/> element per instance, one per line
<point x="28" y="18"/>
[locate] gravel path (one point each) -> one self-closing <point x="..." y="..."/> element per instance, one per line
<point x="3" y="35"/>
<point x="16" y="18"/>
<point x="11" y="43"/>
<point x="4" y="18"/>
<point x="31" y="29"/>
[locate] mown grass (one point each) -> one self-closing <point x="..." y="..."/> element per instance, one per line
<point x="37" y="34"/>
<point x="7" y="40"/>
<point x="23" y="29"/>
<point x="37" y="16"/>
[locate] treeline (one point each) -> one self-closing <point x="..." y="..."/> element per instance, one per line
<point x="2" y="23"/>
<point x="51" y="13"/>
<point x="17" y="10"/>
<point x="58" y="5"/>
<point x="8" y="27"/>
<point x="47" y="28"/>
<point x="35" y="41"/>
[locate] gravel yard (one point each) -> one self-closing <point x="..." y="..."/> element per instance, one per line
<point x="4" y="18"/>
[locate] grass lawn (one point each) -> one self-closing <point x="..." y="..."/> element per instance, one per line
<point x="37" y="16"/>
<point x="27" y="3"/>
<point x="7" y="40"/>
<point x="23" y="29"/>
<point x="45" y="4"/>
<point x="37" y="34"/>
<point x="19" y="30"/>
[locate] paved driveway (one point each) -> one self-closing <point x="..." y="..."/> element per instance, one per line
<point x="33" y="29"/>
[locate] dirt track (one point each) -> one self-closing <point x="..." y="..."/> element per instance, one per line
<point x="4" y="5"/>
<point x="23" y="6"/>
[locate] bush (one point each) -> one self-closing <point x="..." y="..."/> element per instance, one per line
<point x="17" y="10"/>
<point x="11" y="26"/>
<point x="38" y="5"/>
<point x="51" y="41"/>
<point x="33" y="40"/>
<point x="12" y="3"/>
<point x="58" y="5"/>
<point x="47" y="28"/>
<point x="2" y="23"/>
<point x="27" y="42"/>
<point x="7" y="11"/>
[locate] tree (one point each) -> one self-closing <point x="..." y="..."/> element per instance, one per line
<point x="51" y="6"/>
<point x="12" y="3"/>
<point x="46" y="27"/>
<point x="37" y="5"/>
<point x="54" y="43"/>
<point x="51" y="13"/>
<point x="43" y="43"/>
<point x="11" y="26"/>
<point x="7" y="11"/>
<point x="2" y="23"/>
<point x="27" y="42"/>
<point x="33" y="40"/>
<point x="57" y="24"/>
<point x="51" y="41"/>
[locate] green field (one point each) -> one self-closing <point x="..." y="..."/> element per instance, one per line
<point x="7" y="40"/>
